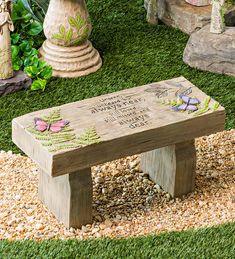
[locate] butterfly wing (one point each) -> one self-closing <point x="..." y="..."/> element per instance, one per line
<point x="185" y="98"/>
<point x="185" y="107"/>
<point x="194" y="101"/>
<point x="192" y="108"/>
<point x="181" y="107"/>
<point x="189" y="100"/>
<point x="58" y="126"/>
<point x="40" y="124"/>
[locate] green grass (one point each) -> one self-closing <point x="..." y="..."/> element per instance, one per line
<point x="216" y="242"/>
<point x="133" y="52"/>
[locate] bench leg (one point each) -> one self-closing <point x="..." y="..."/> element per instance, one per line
<point x="69" y="197"/>
<point x="172" y="167"/>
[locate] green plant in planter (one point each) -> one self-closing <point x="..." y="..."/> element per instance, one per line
<point x="37" y="8"/>
<point x="27" y="38"/>
<point x="232" y="2"/>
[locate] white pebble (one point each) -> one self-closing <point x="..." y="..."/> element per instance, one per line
<point x="18" y="197"/>
<point x="99" y="179"/>
<point x="168" y="196"/>
<point x="39" y="226"/>
<point x="104" y="190"/>
<point x="118" y="217"/>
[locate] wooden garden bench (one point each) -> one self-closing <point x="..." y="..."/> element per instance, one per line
<point x="112" y="126"/>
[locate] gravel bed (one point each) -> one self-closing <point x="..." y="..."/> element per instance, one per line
<point x="126" y="203"/>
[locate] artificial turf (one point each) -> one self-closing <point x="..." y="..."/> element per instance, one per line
<point x="215" y="242"/>
<point x="133" y="52"/>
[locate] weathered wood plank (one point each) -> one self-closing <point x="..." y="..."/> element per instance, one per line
<point x="68" y="197"/>
<point x="128" y="122"/>
<point x="172" y="167"/>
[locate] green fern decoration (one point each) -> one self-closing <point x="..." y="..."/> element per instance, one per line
<point x="215" y="106"/>
<point x="204" y="107"/>
<point x="80" y="25"/>
<point x="172" y="102"/>
<point x="66" y="138"/>
<point x="52" y="139"/>
<point x="63" y="35"/>
<point x="1" y="53"/>
<point x="52" y="117"/>
<point x="89" y="137"/>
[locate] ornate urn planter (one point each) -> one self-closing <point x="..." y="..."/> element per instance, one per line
<point x="67" y="27"/>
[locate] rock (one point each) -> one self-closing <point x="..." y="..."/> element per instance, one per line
<point x="118" y="217"/>
<point x="146" y="181"/>
<point x="168" y="197"/>
<point x="20" y="228"/>
<point x="230" y="16"/>
<point x="18" y="197"/>
<point x="98" y="218"/>
<point x="158" y="188"/>
<point x="133" y="164"/>
<point x="186" y="17"/>
<point x="16" y="83"/>
<point x="72" y="230"/>
<point x="99" y="179"/>
<point x="104" y="190"/>
<point x="214" y="174"/>
<point x="85" y="229"/>
<point x="233" y="199"/>
<point x="95" y="230"/>
<point x="212" y="52"/>
<point x="149" y="199"/>
<point x="108" y="223"/>
<point x="39" y="226"/>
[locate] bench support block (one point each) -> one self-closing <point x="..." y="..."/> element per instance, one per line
<point x="172" y="167"/>
<point x="69" y="197"/>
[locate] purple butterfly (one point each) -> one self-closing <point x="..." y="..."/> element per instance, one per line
<point x="42" y="125"/>
<point x="190" y="104"/>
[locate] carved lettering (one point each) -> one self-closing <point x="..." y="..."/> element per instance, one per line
<point x="123" y="110"/>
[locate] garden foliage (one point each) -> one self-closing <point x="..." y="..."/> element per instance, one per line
<point x="26" y="40"/>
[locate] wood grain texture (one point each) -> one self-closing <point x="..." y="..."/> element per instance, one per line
<point x="129" y="122"/>
<point x="68" y="197"/>
<point x="172" y="167"/>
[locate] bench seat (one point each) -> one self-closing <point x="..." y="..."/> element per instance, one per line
<point x="139" y="120"/>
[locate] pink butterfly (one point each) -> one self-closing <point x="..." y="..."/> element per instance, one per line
<point x="42" y="126"/>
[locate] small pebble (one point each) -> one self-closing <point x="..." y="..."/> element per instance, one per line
<point x="125" y="202"/>
<point x="99" y="180"/>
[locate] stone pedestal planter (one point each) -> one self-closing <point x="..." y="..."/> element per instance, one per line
<point x="212" y="52"/>
<point x="67" y="27"/>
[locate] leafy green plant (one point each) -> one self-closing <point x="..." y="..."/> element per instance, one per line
<point x="26" y="39"/>
<point x="41" y="72"/>
<point x="25" y="24"/>
<point x="37" y="8"/>
<point x="230" y="2"/>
